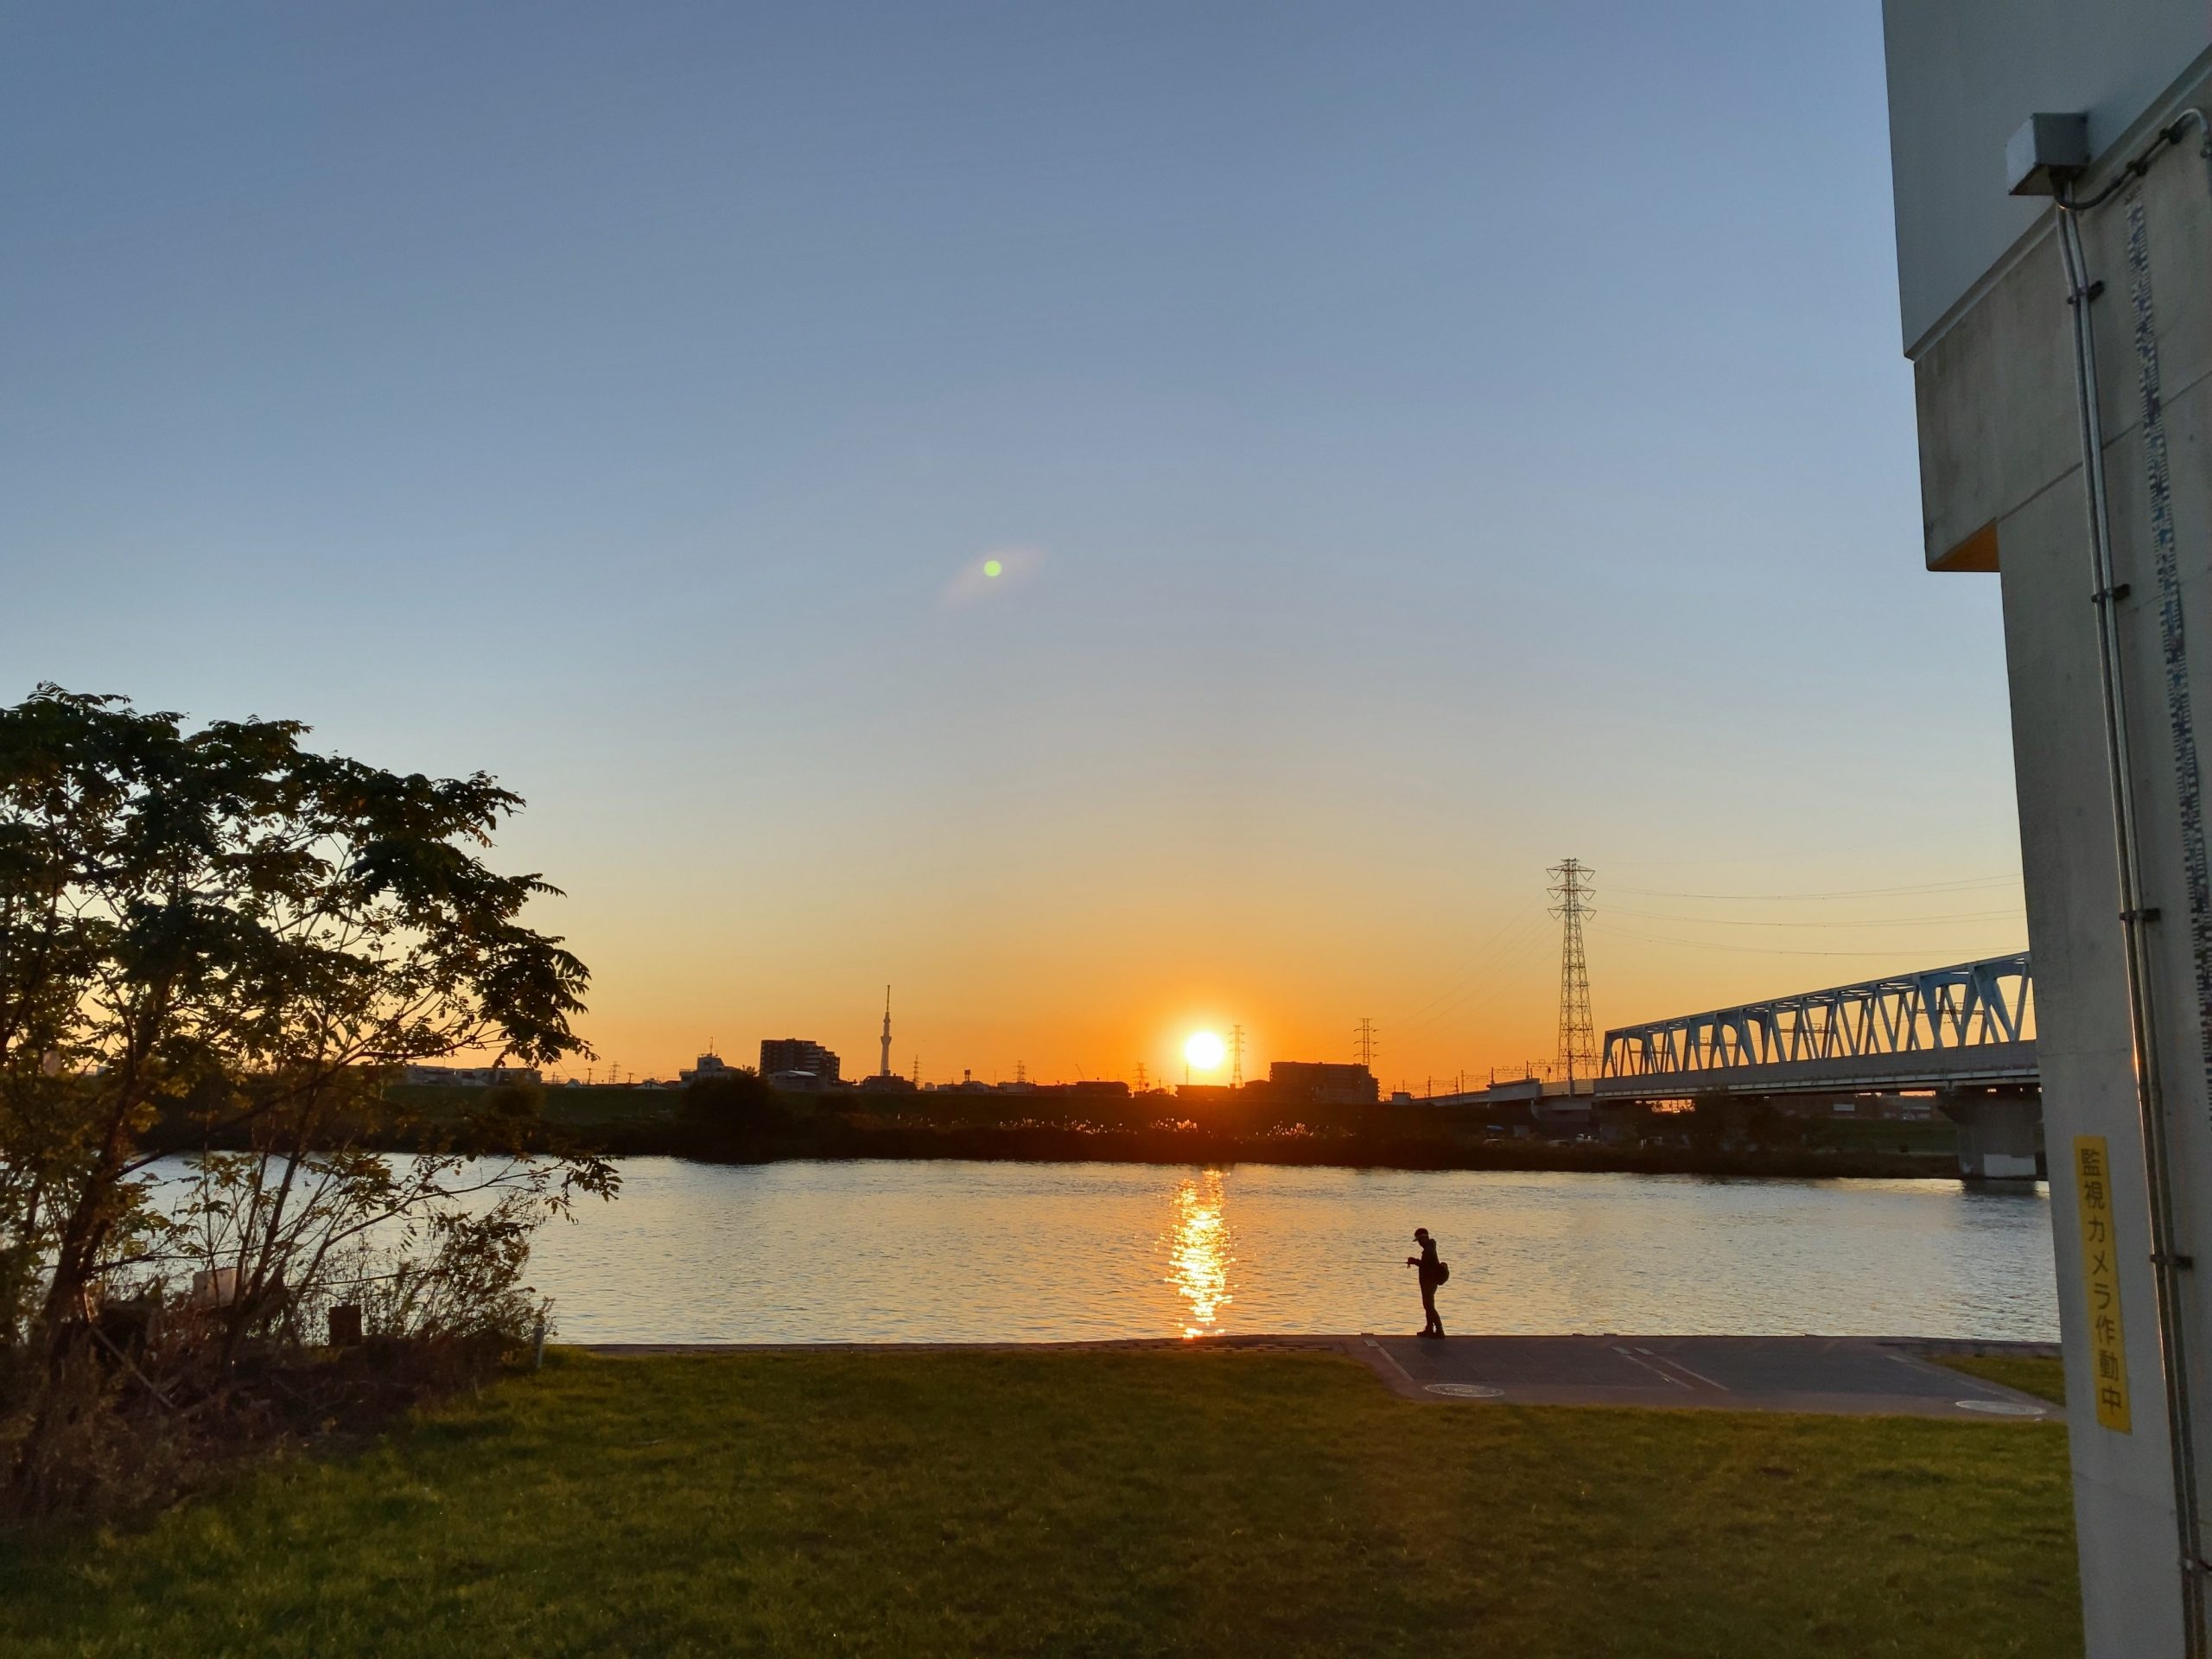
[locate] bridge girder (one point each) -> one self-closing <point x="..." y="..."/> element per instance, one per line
<point x="1884" y="1031"/>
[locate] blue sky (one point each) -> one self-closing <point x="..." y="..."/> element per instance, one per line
<point x="1431" y="439"/>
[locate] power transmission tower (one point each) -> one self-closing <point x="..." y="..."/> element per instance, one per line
<point x="1578" y="1038"/>
<point x="1141" y="1084"/>
<point x="1364" y="1042"/>
<point x="1236" y="1057"/>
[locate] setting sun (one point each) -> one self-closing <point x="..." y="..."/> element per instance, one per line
<point x="1204" y="1051"/>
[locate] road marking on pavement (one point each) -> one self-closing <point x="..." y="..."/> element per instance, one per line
<point x="1668" y="1359"/>
<point x="1650" y="1367"/>
<point x="1466" y="1390"/>
<point x="2002" y="1408"/>
<point x="1392" y="1358"/>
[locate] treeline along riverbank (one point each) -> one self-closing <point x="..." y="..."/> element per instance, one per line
<point x="745" y="1120"/>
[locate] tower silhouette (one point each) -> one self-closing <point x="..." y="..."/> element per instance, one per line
<point x="1236" y="1057"/>
<point x="1578" y="1038"/>
<point x="884" y="1071"/>
<point x="1364" y="1042"/>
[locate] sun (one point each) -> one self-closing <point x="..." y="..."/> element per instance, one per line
<point x="1204" y="1051"/>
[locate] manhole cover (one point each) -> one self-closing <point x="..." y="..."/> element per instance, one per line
<point x="2001" y="1408"/>
<point x="1466" y="1390"/>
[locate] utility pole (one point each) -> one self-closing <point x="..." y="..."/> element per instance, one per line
<point x="1236" y="1057"/>
<point x="1364" y="1042"/>
<point x="1578" y="1038"/>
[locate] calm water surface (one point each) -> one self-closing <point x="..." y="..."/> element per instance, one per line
<point x="954" y="1252"/>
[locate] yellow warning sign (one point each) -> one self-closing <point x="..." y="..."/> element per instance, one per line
<point x="2101" y="1279"/>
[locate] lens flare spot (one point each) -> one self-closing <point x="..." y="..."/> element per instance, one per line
<point x="993" y="574"/>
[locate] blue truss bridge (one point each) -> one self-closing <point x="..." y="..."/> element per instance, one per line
<point x="1964" y="1032"/>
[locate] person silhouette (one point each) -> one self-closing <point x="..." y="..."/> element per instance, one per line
<point x="1433" y="1273"/>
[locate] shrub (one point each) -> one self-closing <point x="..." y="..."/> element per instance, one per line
<point x="223" y="929"/>
<point x="738" y="1100"/>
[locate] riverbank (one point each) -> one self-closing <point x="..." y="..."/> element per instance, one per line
<point x="1166" y="1502"/>
<point x="645" y="1122"/>
<point x="839" y="1138"/>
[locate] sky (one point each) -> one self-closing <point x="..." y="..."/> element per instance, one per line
<point x="1419" y="442"/>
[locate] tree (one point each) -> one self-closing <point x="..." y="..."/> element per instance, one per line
<point x="219" y="928"/>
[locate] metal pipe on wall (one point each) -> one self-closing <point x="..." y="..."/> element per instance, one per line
<point x="2149" y="1090"/>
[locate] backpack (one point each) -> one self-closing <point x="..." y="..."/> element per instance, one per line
<point x="1443" y="1273"/>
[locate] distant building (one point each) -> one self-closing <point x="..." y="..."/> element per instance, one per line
<point x="795" y="1063"/>
<point x="1321" y="1083"/>
<point x="1219" y="1094"/>
<point x="1096" y="1089"/>
<point x="470" y="1077"/>
<point x="710" y="1065"/>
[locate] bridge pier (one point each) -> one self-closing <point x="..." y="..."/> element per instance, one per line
<point x="2001" y="1135"/>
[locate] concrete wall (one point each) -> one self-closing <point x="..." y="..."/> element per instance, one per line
<point x="2001" y="476"/>
<point x="1963" y="76"/>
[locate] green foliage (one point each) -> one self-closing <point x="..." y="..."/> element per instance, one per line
<point x="2044" y="1378"/>
<point x="1100" y="1503"/>
<point x="740" y="1099"/>
<point x="222" y="928"/>
<point x="516" y="1103"/>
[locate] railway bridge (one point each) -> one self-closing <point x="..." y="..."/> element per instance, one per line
<point x="1965" y="1032"/>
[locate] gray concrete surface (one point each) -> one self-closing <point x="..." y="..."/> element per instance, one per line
<point x="1831" y="1375"/>
<point x="2003" y="487"/>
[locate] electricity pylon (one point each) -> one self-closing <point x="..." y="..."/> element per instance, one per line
<point x="1578" y="1037"/>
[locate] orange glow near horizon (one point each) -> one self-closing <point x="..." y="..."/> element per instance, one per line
<point x="1458" y="985"/>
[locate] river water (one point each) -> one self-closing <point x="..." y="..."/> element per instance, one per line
<point x="972" y="1252"/>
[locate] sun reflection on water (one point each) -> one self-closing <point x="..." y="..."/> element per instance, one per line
<point x="1198" y="1257"/>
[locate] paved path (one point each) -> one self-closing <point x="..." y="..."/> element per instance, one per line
<point x="1836" y="1376"/>
<point x="1849" y="1375"/>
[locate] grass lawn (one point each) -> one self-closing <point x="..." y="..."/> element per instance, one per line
<point x="1082" y="1504"/>
<point x="2044" y="1378"/>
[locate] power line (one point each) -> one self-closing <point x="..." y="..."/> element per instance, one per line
<point x="1507" y="949"/>
<point x="1482" y="976"/>
<point x="2012" y="914"/>
<point x="1842" y="893"/>
<point x="1454" y="986"/>
<point x="1754" y="950"/>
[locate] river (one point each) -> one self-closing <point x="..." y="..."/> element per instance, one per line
<point x="976" y="1252"/>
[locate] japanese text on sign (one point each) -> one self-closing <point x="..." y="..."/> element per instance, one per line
<point x="2101" y="1280"/>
